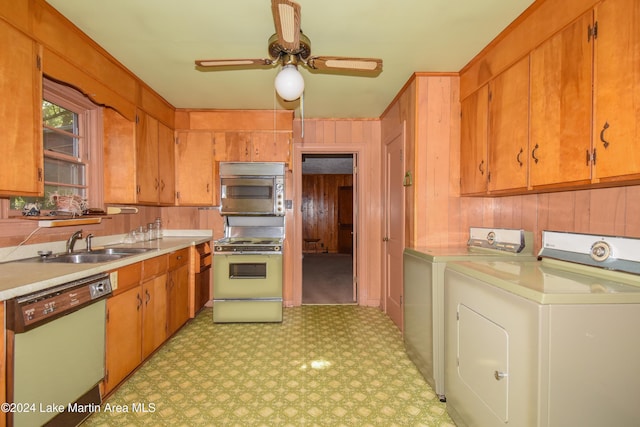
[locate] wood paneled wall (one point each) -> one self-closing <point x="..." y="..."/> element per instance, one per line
<point x="14" y="231"/>
<point x="608" y="211"/>
<point x="429" y="105"/>
<point x="362" y="138"/>
<point x="320" y="208"/>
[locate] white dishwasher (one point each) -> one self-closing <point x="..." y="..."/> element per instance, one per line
<point x="551" y="343"/>
<point x="424" y="293"/>
<point x="58" y="352"/>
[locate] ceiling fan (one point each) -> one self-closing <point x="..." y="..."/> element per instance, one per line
<point x="290" y="47"/>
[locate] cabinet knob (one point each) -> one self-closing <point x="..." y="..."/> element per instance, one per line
<point x="500" y="375"/>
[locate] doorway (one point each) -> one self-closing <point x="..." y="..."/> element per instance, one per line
<point x="328" y="218"/>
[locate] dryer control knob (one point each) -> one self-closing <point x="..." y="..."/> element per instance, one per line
<point x="600" y="251"/>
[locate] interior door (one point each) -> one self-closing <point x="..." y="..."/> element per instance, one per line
<point x="394" y="224"/>
<point x="345" y="220"/>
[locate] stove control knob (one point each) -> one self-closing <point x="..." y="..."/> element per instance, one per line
<point x="218" y="248"/>
<point x="276" y="248"/>
<point x="600" y="251"/>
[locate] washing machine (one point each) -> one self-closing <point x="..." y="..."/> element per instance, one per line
<point x="549" y="343"/>
<point x="423" y="291"/>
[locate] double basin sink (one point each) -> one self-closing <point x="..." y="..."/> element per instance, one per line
<point x="95" y="256"/>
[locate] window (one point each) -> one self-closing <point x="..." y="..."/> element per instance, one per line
<point x="72" y="146"/>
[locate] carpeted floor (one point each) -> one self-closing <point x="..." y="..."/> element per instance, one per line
<point x="327" y="279"/>
<point x="324" y="365"/>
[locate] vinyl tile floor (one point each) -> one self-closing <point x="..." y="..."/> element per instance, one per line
<point x="327" y="365"/>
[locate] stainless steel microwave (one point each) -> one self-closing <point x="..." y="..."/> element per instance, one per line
<point x="252" y="188"/>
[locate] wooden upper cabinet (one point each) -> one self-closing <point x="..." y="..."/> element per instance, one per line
<point x="473" y="144"/>
<point x="616" y="132"/>
<point x="147" y="158"/>
<point x="244" y="135"/>
<point x="166" y="165"/>
<point x="155" y="161"/>
<point x="270" y="147"/>
<point x="119" y="139"/>
<point x="254" y="146"/>
<point x="232" y="146"/>
<point x="21" y="163"/>
<point x="560" y="127"/>
<point x="195" y="169"/>
<point x="509" y="128"/>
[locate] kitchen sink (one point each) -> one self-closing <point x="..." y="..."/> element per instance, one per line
<point x="83" y="258"/>
<point x="121" y="251"/>
<point x="95" y="256"/>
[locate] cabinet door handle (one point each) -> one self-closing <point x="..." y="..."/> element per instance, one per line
<point x="533" y="153"/>
<point x="604" y="128"/>
<point x="481" y="167"/>
<point x="139" y="302"/>
<point x="518" y="157"/>
<point x="499" y="375"/>
<point x="148" y="297"/>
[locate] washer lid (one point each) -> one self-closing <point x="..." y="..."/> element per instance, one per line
<point x="610" y="252"/>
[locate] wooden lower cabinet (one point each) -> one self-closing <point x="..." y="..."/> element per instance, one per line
<point x="178" y="290"/>
<point x="154" y="314"/>
<point x="124" y="331"/>
<point x="199" y="277"/>
<point x="150" y="304"/>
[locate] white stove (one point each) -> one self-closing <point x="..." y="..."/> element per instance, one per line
<point x="248" y="270"/>
<point x="548" y="343"/>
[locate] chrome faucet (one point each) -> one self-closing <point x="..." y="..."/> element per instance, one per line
<point x="88" y="239"/>
<point x="72" y="241"/>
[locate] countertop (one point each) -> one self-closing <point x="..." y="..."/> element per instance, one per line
<point x="21" y="277"/>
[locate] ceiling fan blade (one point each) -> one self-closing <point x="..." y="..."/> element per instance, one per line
<point x="286" y="15"/>
<point x="232" y="62"/>
<point x="342" y="63"/>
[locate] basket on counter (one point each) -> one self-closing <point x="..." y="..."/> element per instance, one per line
<point x="68" y="203"/>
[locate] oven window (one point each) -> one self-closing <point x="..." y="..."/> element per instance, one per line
<point x="248" y="189"/>
<point x="249" y="192"/>
<point x="248" y="270"/>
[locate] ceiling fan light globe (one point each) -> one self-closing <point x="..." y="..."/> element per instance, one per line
<point x="289" y="83"/>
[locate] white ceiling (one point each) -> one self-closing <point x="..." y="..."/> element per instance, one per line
<point x="158" y="40"/>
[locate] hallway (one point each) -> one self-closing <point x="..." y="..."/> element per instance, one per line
<point x="323" y="365"/>
<point x="327" y="279"/>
